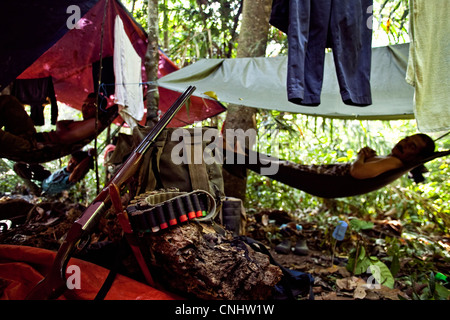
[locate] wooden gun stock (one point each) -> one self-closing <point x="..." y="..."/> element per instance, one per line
<point x="54" y="284"/>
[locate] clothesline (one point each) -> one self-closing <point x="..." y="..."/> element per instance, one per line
<point x="129" y="83"/>
<point x="103" y="86"/>
<point x="445" y="134"/>
<point x="102" y="89"/>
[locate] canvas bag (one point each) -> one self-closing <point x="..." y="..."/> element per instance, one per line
<point x="158" y="170"/>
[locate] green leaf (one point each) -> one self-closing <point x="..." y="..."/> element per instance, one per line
<point x="441" y="292"/>
<point x="362" y="263"/>
<point x="381" y="273"/>
<point x="358" y="225"/>
<point x="432" y="283"/>
<point x="395" y="265"/>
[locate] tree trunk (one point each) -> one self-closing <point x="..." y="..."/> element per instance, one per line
<point x="151" y="64"/>
<point x="252" y="43"/>
<point x="193" y="258"/>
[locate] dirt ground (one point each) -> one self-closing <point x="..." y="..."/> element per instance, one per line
<point x="336" y="281"/>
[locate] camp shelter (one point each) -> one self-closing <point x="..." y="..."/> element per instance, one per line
<point x="261" y="83"/>
<point x="40" y="39"/>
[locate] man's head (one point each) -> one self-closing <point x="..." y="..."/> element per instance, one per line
<point x="417" y="145"/>
<point x="89" y="107"/>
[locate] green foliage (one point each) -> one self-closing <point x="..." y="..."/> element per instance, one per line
<point x="192" y="29"/>
<point x="371" y="265"/>
<point x="358" y="225"/>
<point x="391" y="19"/>
<point x="434" y="289"/>
<point x="8" y="179"/>
<point x="196" y="29"/>
<point x="381" y="273"/>
<point x="304" y="139"/>
<point x="362" y="261"/>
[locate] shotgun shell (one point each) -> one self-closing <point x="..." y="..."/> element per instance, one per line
<point x="171" y="214"/>
<point x="203" y="201"/>
<point x="196" y="203"/>
<point x="140" y="224"/>
<point x="137" y="219"/>
<point x="161" y="218"/>
<point x="151" y="219"/>
<point x="180" y="210"/>
<point x="189" y="207"/>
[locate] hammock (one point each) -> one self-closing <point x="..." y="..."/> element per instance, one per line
<point x="52" y="152"/>
<point x="328" y="185"/>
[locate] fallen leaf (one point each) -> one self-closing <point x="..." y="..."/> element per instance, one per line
<point x="372" y="295"/>
<point x="320" y="282"/>
<point x="359" y="293"/>
<point x="332" y="296"/>
<point x="391" y="294"/>
<point x="349" y="283"/>
<point x="344" y="272"/>
<point x="265" y="220"/>
<point x="328" y="270"/>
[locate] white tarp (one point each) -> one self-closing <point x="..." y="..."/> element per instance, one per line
<point x="261" y="83"/>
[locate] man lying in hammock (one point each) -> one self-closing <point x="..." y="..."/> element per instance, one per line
<point x="368" y="164"/>
<point x="19" y="134"/>
<point x="367" y="173"/>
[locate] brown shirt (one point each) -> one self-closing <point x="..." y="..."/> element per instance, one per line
<point x="14" y="118"/>
<point x="19" y="133"/>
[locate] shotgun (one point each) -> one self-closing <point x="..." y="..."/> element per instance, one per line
<point x="54" y="283"/>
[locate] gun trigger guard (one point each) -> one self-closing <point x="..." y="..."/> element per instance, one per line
<point x="83" y="243"/>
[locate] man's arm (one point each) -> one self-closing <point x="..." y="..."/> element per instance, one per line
<point x="80" y="170"/>
<point x="368" y="165"/>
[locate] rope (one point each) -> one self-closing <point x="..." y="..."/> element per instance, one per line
<point x="113" y="134"/>
<point x="442" y="136"/>
<point x="97" y="179"/>
<point x="102" y="88"/>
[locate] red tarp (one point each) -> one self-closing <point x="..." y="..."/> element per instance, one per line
<point x="69" y="62"/>
<point x="22" y="267"/>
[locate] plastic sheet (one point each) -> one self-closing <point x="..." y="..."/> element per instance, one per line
<point x="22" y="267"/>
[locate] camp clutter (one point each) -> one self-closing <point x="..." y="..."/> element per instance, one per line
<point x="158" y="170"/>
<point x="176" y="161"/>
<point x="177" y="217"/>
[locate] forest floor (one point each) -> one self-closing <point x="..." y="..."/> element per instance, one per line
<point x="410" y="262"/>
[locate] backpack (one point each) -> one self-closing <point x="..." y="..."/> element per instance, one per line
<point x="166" y="165"/>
